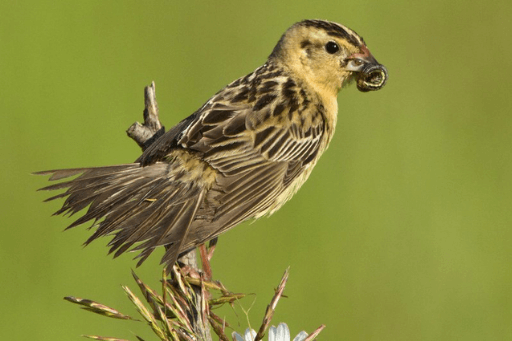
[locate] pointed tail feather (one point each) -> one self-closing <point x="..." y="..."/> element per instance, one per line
<point x="143" y="207"/>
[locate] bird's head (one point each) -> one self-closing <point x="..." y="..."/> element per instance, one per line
<point x="328" y="56"/>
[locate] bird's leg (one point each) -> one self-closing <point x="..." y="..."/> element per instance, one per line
<point x="207" y="269"/>
<point x="206" y="256"/>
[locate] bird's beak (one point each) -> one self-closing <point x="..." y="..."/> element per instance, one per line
<point x="370" y="75"/>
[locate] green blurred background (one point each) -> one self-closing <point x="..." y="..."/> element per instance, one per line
<point x="402" y="232"/>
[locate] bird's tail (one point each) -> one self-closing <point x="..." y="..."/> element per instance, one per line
<point x="143" y="207"/>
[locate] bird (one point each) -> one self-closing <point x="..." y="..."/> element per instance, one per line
<point x="240" y="156"/>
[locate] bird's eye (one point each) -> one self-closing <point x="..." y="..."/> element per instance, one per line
<point x="332" y="47"/>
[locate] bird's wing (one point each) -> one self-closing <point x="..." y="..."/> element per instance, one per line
<point x="258" y="150"/>
<point x="234" y="136"/>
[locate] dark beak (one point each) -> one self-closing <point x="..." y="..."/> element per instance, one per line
<point x="370" y="75"/>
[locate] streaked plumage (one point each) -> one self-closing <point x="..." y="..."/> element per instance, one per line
<point x="242" y="155"/>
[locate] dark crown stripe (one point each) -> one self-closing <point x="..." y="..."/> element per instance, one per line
<point x="332" y="29"/>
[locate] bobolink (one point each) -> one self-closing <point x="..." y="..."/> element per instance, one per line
<point x="242" y="155"/>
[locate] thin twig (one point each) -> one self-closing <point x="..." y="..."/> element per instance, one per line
<point x="143" y="133"/>
<point x="272" y="307"/>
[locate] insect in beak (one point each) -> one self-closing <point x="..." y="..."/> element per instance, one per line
<point x="370" y="75"/>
